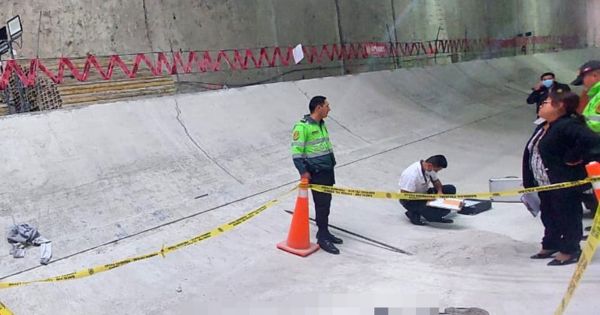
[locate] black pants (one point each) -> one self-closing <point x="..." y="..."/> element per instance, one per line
<point x="429" y="213"/>
<point x="561" y="214"/>
<point x="322" y="200"/>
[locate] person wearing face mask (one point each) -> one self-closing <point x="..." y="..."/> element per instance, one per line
<point x="558" y="152"/>
<point x="417" y="178"/>
<point x="541" y="90"/>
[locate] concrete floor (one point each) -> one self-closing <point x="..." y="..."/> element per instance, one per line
<point x="93" y="175"/>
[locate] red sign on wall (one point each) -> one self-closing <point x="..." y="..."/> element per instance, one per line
<point x="377" y="49"/>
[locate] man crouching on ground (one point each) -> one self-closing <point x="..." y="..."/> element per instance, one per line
<point x="417" y="179"/>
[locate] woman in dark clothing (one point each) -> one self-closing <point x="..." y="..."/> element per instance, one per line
<point x="557" y="152"/>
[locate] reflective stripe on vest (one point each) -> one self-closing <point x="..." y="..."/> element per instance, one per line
<point x="310" y="140"/>
<point x="303" y="144"/>
<point x="312" y="155"/>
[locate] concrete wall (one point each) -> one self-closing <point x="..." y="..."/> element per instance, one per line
<point x="100" y="173"/>
<point x="76" y="27"/>
<point x="593" y="23"/>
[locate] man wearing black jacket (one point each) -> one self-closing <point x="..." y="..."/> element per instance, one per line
<point x="541" y="90"/>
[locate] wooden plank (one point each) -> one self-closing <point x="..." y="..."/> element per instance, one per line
<point x="118" y="90"/>
<point x="78" y="83"/>
<point x="90" y="99"/>
<point x="115" y="88"/>
<point x="127" y="93"/>
<point x="113" y="82"/>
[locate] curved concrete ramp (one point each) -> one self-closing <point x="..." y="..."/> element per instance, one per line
<point x="110" y="181"/>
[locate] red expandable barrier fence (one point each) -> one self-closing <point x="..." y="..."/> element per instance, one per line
<point x="244" y="59"/>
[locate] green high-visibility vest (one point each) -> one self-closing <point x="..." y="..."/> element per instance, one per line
<point x="311" y="144"/>
<point x="589" y="112"/>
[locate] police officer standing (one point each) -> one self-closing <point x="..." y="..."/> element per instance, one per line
<point x="312" y="154"/>
<point x="589" y="77"/>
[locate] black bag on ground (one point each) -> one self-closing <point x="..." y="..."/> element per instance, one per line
<point x="475" y="206"/>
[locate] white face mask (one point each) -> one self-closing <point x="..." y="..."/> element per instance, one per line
<point x="548" y="83"/>
<point x="430" y="173"/>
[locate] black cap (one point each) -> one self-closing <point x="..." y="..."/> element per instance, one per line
<point x="586" y="68"/>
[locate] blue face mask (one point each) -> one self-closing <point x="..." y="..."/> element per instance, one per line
<point x="548" y="83"/>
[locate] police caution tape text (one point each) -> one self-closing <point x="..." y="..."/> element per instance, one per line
<point x="418" y="196"/>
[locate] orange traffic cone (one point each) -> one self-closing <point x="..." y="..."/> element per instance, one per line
<point x="298" y="241"/>
<point x="593" y="170"/>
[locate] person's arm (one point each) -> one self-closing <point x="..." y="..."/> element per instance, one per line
<point x="534" y="97"/>
<point x="437" y="184"/>
<point x="298" y="151"/>
<point x="583" y="100"/>
<point x="527" y="173"/>
<point x="585" y="144"/>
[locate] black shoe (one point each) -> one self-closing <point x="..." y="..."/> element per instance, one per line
<point x="329" y="236"/>
<point x="334" y="239"/>
<point x="414" y="218"/>
<point x="328" y="246"/>
<point x="574" y="259"/>
<point x="546" y="255"/>
<point x="442" y="220"/>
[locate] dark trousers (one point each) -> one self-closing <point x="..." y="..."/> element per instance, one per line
<point x="322" y="201"/>
<point x="429" y="213"/>
<point x="561" y="214"/>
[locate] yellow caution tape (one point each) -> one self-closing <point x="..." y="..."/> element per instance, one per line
<point x="4" y="310"/>
<point x="587" y="252"/>
<point x="584" y="260"/>
<point x="418" y="196"/>
<point x="164" y="250"/>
